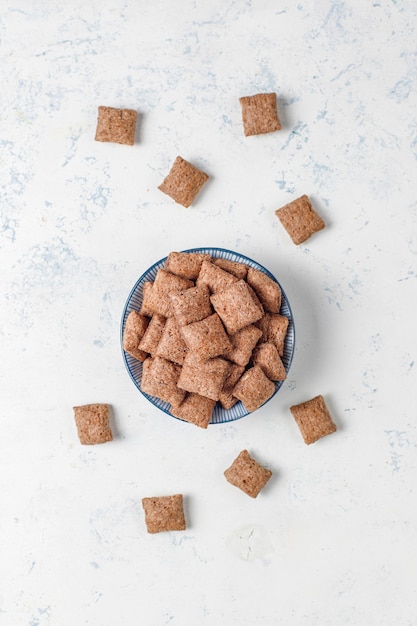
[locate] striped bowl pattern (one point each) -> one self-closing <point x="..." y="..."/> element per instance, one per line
<point x="134" y="302"/>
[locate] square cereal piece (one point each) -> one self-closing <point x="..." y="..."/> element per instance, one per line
<point x="116" y="125"/>
<point x="299" y="219"/>
<point x="247" y="474"/>
<point x="313" y="419"/>
<point x="167" y="282"/>
<point x="164" y="513"/>
<point x="171" y="345"/>
<point x="236" y="268"/>
<point x="216" y="278"/>
<point x="274" y="329"/>
<point x="164" y="284"/>
<point x="135" y="327"/>
<point x="254" y="388"/>
<point x="186" y="264"/>
<point x="154" y="301"/>
<point x="195" y="409"/>
<point x="259" y="114"/>
<point x="236" y="306"/>
<point x="156" y="298"/>
<point x="147" y="384"/>
<point x="243" y="342"/>
<point x="266" y="356"/>
<point x="207" y="338"/>
<point x="191" y="305"/>
<point x="160" y="378"/>
<point x="146" y="307"/>
<point x="183" y="182"/>
<point x="153" y="334"/>
<point x="203" y="377"/>
<point x="93" y="423"/>
<point x="267" y="290"/>
<point x="255" y="298"/>
<point x="227" y="399"/>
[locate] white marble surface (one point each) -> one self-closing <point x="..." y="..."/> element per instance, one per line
<point x="332" y="539"/>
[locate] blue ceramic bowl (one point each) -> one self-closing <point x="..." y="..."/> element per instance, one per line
<point x="134" y="302"/>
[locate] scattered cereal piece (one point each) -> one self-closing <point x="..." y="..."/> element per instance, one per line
<point x="299" y="219"/>
<point x="215" y="277"/>
<point x="93" y="423"/>
<point x="186" y="264"/>
<point x="160" y="378"/>
<point x="195" y="409"/>
<point x="266" y="356"/>
<point x="207" y="338"/>
<point x="236" y="307"/>
<point x="227" y="398"/>
<point x="183" y="182"/>
<point x="164" y="513"/>
<point x="313" y="419"/>
<point x="267" y="290"/>
<point x="191" y="305"/>
<point x="116" y="125"/>
<point x="254" y="388"/>
<point x="203" y="377"/>
<point x="171" y="345"/>
<point x="259" y="114"/>
<point x="243" y="343"/>
<point x="153" y="334"/>
<point x="247" y="474"/>
<point x="135" y="327"/>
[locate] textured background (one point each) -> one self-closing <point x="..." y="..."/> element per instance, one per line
<point x="332" y="539"/>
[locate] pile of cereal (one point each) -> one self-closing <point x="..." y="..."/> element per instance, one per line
<point x="209" y="330"/>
